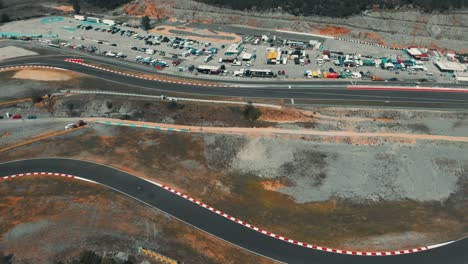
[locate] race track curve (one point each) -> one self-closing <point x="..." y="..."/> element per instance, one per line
<point x="212" y="223"/>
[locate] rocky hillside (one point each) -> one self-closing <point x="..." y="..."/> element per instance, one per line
<point x="395" y="28"/>
<point x="336" y="8"/>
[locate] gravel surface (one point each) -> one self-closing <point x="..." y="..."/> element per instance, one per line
<point x="17" y="130"/>
<point x="14" y="52"/>
<point x="25" y="229"/>
<point x="319" y="172"/>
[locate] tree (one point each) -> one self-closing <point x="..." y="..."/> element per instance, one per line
<point x="145" y="23"/>
<point x="4" y="18"/>
<point x="6" y="259"/>
<point x="251" y="112"/>
<point x="90" y="257"/>
<point x="76" y="6"/>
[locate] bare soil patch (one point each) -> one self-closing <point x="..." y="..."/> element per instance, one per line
<point x="199" y="166"/>
<point x="45" y="75"/>
<point x="58" y="218"/>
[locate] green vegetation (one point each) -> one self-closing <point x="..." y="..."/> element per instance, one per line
<point x="4" y="18"/>
<point x="6" y="259"/>
<point x="108" y="4"/>
<point x="335" y="8"/>
<point x="76" y="6"/>
<point x="145" y="23"/>
<point x="251" y="112"/>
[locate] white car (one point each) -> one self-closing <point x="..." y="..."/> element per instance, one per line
<point x="111" y="54"/>
<point x="70" y="126"/>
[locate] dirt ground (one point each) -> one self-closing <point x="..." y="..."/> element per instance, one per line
<point x="313" y="201"/>
<point x="200" y="35"/>
<point x="57" y="218"/>
<point x="45" y="75"/>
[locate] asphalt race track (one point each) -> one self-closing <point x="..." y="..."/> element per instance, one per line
<point x="307" y="92"/>
<point x="455" y="253"/>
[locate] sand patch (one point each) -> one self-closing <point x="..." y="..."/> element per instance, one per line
<point x="44" y="75"/>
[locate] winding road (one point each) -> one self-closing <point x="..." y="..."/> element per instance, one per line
<point x="215" y="224"/>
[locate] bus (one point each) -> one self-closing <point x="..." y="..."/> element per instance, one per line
<point x="260" y="73"/>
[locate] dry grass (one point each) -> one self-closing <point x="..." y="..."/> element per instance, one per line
<point x="76" y="211"/>
<point x="178" y="160"/>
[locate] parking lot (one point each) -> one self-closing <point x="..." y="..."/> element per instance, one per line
<point x="186" y="56"/>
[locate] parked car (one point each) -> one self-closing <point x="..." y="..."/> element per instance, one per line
<point x="134" y="48"/>
<point x="70" y="126"/>
<point x="17" y="116"/>
<point x="32" y="117"/>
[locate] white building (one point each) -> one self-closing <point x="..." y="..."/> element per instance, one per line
<point x="108" y="22"/>
<point x="80" y="18"/>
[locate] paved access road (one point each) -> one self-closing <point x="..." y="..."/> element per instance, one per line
<point x="455" y="253"/>
<point x="303" y="92"/>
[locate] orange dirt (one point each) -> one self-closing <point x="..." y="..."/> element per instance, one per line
<point x="64" y="8"/>
<point x="283" y="116"/>
<point x="45" y="75"/>
<point x="87" y="208"/>
<point x="334" y="31"/>
<point x="374" y="37"/>
<point x="272" y="185"/>
<point x="149" y="8"/>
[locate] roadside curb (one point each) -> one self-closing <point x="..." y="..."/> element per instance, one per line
<point x="81" y="62"/>
<point x="29" y="66"/>
<point x="238" y="221"/>
<point x="21" y="175"/>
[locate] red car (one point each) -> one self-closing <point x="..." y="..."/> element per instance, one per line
<point x="17" y="116"/>
<point x="176" y="62"/>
